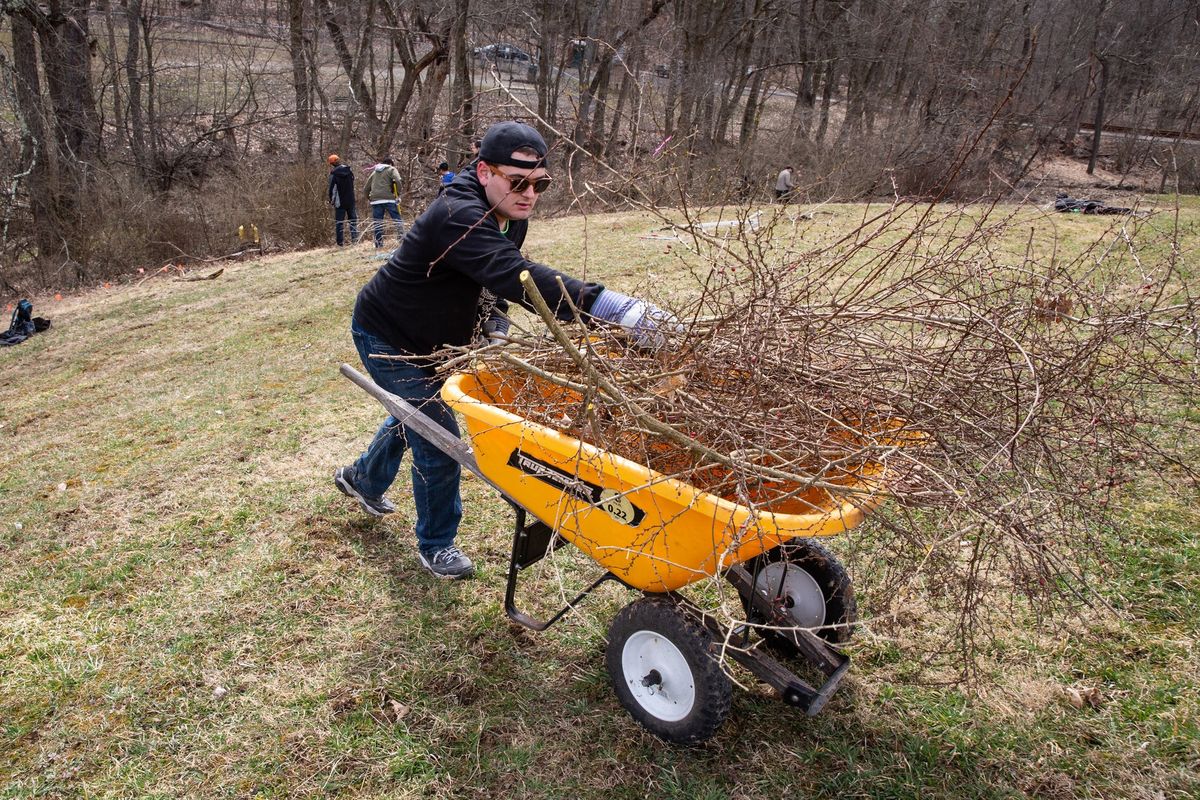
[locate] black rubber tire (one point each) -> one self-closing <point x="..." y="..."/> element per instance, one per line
<point x="841" y="609"/>
<point x="713" y="690"/>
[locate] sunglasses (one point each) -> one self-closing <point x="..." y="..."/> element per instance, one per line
<point x="519" y="183"/>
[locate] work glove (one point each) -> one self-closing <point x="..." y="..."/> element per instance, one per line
<point x="647" y="324"/>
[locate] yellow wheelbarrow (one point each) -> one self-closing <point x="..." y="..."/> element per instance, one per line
<point x="656" y="535"/>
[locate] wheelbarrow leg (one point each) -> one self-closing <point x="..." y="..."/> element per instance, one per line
<point x="531" y="543"/>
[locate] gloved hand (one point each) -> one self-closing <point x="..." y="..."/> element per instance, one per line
<point x="646" y="323"/>
<point x="496" y="328"/>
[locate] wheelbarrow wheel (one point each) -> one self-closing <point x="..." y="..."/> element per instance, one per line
<point x="664" y="674"/>
<point x="814" y="588"/>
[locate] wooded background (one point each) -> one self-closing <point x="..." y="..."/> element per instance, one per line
<point x="146" y="131"/>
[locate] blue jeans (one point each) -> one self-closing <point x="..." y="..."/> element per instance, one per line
<point x="340" y="214"/>
<point x="435" y="475"/>
<point x="393" y="211"/>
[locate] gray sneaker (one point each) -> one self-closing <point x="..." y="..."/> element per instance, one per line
<point x="343" y="479"/>
<point x="449" y="562"/>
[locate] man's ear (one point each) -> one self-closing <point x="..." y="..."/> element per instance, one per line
<point x="482" y="172"/>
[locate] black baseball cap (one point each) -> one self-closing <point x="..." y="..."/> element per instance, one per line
<point x="505" y="137"/>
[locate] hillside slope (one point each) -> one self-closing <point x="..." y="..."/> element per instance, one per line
<point x="188" y="608"/>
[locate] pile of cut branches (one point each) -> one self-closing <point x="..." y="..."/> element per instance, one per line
<point x="1007" y="395"/>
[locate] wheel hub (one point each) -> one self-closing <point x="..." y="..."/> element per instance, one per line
<point x="794" y="592"/>
<point x="658" y="676"/>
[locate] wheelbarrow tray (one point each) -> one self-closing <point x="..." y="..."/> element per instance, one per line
<point x="653" y="532"/>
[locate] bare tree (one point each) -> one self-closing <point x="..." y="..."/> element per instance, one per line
<point x="354" y="64"/>
<point x="462" y="110"/>
<point x="63" y="51"/>
<point x="590" y="120"/>
<point x="35" y="154"/>
<point x="298" y="50"/>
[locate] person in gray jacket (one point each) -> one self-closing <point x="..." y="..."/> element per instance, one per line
<point x="383" y="193"/>
<point x="784" y="185"/>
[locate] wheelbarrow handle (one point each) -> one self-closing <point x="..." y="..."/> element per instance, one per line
<point x="415" y="420"/>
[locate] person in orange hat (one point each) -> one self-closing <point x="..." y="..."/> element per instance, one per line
<point x="341" y="197"/>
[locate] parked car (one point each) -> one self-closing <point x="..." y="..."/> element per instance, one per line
<point x="503" y="52"/>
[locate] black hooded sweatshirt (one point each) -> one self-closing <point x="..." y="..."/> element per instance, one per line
<point x="427" y="295"/>
<point x="341" y="187"/>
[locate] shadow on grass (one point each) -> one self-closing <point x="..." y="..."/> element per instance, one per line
<point x="450" y="698"/>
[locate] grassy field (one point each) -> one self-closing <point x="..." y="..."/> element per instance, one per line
<point x="188" y="608"/>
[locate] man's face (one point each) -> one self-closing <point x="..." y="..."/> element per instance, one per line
<point x="497" y="185"/>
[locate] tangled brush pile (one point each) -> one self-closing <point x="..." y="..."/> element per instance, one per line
<point x="1006" y="395"/>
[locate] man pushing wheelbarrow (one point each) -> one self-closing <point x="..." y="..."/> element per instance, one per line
<point x="451" y="279"/>
<point x="650" y="531"/>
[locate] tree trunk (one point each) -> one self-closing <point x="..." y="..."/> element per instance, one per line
<point x="613" y="139"/>
<point x="1098" y="124"/>
<point x="462" y="90"/>
<point x="547" y="81"/>
<point x="154" y="137"/>
<point x="428" y="96"/>
<point x="354" y="65"/>
<point x="66" y="62"/>
<point x="1077" y="112"/>
<point x="61" y="29"/>
<point x="35" y="154"/>
<point x="320" y="111"/>
<point x="851" y="121"/>
<point x="831" y="78"/>
<point x="742" y="72"/>
<point x="802" y="108"/>
<point x="296" y="49"/>
<point x="599" y="96"/>
<point x="750" y="114"/>
<point x="118" y="106"/>
<point x="412" y="69"/>
<point x="707" y="117"/>
<point x="133" y="80"/>
<point x="593" y="91"/>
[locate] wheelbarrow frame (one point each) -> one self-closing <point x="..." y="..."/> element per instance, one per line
<point x="534" y="540"/>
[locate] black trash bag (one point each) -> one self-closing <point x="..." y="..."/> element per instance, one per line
<point x="1071" y="205"/>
